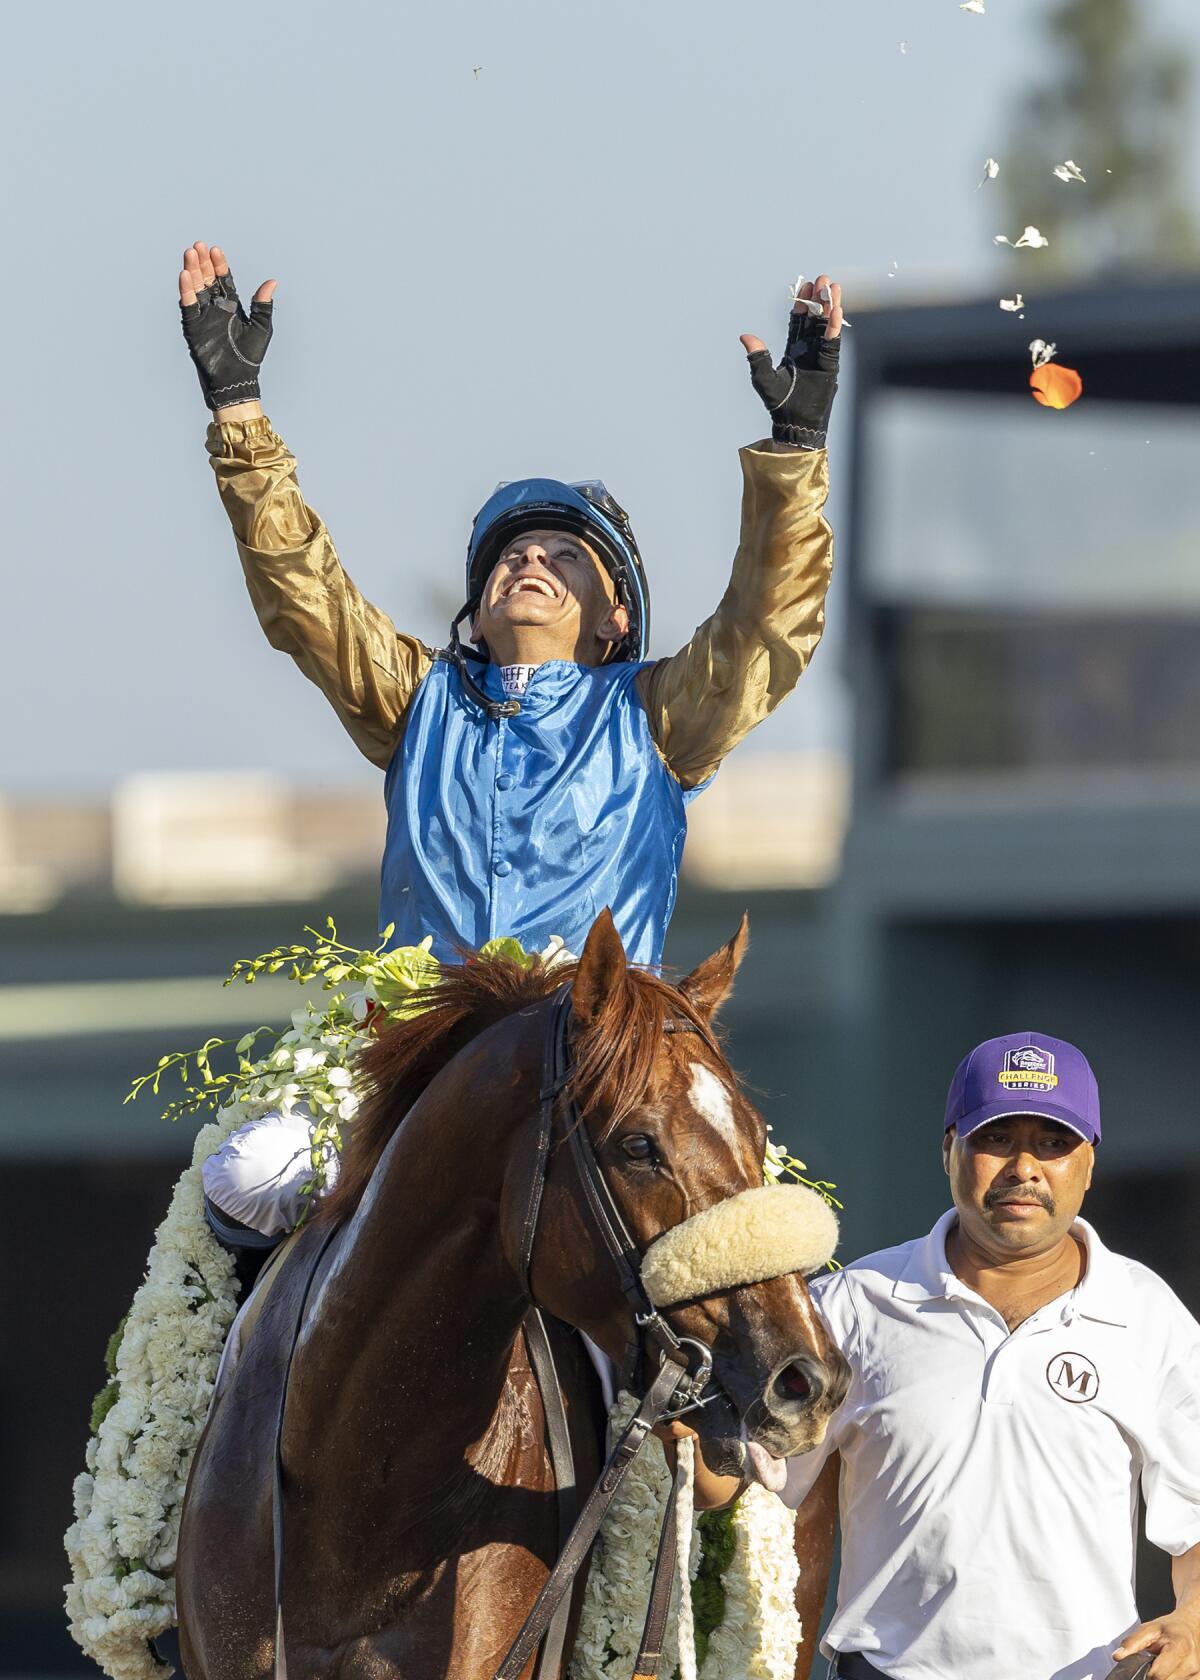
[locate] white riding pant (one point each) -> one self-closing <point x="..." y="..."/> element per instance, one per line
<point x="259" y="1171"/>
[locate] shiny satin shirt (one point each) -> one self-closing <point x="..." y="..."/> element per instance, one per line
<point x="532" y="825"/>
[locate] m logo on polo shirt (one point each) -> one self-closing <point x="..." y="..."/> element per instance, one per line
<point x="1073" y="1377"/>
<point x="1028" y="1069"/>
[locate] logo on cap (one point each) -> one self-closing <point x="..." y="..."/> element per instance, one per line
<point x="1028" y="1069"/>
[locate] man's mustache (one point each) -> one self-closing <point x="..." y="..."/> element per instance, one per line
<point x="992" y="1198"/>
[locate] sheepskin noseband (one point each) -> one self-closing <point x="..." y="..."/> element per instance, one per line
<point x="752" y="1236"/>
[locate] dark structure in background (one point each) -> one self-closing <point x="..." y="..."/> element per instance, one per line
<point x="1025" y="659"/>
<point x="1024" y="647"/>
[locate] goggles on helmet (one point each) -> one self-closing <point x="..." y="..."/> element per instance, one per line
<point x="587" y="510"/>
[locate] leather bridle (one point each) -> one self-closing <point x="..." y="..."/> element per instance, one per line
<point x="651" y="1332"/>
<point x="674" y="1390"/>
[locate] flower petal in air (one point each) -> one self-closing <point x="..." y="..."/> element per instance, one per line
<point x="1013" y="305"/>
<point x="990" y="171"/>
<point x="1031" y="239"/>
<point x="1069" y="171"/>
<point x="975" y="6"/>
<point x="1055" y="386"/>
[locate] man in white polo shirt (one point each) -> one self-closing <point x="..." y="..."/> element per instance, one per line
<point x="1014" y="1382"/>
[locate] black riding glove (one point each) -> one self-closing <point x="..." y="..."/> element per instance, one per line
<point x="799" y="392"/>
<point x="226" y="344"/>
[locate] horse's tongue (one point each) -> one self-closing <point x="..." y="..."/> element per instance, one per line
<point x="771" y="1472"/>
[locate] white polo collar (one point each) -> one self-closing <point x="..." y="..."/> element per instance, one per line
<point x="1103" y="1295"/>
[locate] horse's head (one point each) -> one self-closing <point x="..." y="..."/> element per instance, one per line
<point x="674" y="1136"/>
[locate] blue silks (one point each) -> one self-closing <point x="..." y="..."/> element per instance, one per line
<point x="531" y="825"/>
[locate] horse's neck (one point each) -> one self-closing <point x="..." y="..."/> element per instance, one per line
<point x="420" y="1309"/>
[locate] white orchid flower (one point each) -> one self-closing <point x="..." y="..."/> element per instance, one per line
<point x="990" y="171"/>
<point x="306" y="1060"/>
<point x="814" y="306"/>
<point x="1042" y="352"/>
<point x="1031" y="239"/>
<point x="340" y="1078"/>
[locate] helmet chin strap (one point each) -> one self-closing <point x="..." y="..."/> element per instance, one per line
<point x="459" y="657"/>
<point x="456" y="653"/>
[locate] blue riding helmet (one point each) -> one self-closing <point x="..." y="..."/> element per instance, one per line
<point x="585" y="509"/>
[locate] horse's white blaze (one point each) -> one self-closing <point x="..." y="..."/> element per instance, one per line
<point x="714" y="1101"/>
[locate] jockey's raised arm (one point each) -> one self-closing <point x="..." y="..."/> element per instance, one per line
<point x="752" y="651"/>
<point x="306" y="603"/>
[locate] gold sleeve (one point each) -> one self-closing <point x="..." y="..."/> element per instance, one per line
<point x="306" y="603"/>
<point x="743" y="660"/>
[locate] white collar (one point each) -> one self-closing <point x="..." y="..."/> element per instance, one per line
<point x="1103" y="1294"/>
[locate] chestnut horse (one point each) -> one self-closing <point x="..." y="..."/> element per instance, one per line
<point x="419" y="1501"/>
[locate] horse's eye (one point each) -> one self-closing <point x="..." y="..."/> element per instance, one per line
<point x="638" y="1147"/>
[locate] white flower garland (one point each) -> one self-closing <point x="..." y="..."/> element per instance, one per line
<point x="127" y="1505"/>
<point x="122" y="1544"/>
<point x="618" y="1585"/>
<point x="759" y="1635"/>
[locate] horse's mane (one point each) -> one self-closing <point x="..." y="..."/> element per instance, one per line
<point x="614" y="1057"/>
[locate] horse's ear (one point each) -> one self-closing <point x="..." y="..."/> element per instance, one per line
<point x="707" y="987"/>
<point x="602" y="968"/>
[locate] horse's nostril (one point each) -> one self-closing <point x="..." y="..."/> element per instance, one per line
<point x="795" y="1383"/>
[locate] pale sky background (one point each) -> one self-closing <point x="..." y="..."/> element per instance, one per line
<point x="542" y="269"/>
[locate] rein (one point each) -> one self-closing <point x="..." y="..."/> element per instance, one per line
<point x="650" y="1328"/>
<point x="675" y="1390"/>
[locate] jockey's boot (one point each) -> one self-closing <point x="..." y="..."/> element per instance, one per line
<point x="250" y="1248"/>
<point x="166" y="1648"/>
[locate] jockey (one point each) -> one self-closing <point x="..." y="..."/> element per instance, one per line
<point x="545" y="771"/>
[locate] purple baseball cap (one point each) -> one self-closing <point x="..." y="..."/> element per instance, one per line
<point x="1024" y="1073"/>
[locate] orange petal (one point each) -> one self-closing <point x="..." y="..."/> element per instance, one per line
<point x="1055" y="386"/>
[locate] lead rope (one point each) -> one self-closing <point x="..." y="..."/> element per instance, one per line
<point x="685" y="1474"/>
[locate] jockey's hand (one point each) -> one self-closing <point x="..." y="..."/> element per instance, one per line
<point x="225" y="343"/>
<point x="799" y="392"/>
